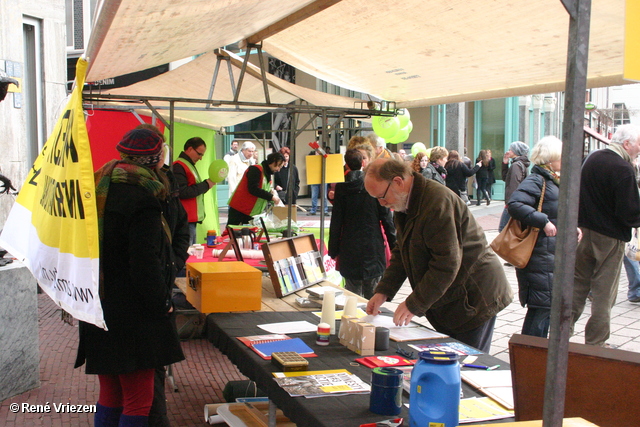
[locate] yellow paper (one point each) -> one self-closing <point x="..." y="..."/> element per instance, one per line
<point x="335" y="169"/>
<point x="632" y="41"/>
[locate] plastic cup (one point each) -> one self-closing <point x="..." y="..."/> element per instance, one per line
<point x="199" y="252"/>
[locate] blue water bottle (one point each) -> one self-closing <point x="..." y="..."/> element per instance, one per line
<point x="434" y="399"/>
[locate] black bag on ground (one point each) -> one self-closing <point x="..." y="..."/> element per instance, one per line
<point x="246" y="388"/>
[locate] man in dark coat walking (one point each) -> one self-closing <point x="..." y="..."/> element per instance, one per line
<point x="609" y="209"/>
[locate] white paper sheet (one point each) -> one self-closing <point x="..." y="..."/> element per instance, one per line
<point x="289" y="327"/>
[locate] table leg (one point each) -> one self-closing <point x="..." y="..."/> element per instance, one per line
<point x="272" y="413"/>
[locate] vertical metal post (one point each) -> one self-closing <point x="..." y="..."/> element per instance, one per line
<point x="292" y="162"/>
<point x="172" y="130"/>
<point x="323" y="181"/>
<point x="566" y="241"/>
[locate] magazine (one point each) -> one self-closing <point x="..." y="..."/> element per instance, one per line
<point x="323" y="384"/>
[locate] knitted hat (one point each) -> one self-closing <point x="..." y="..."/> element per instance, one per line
<point x="140" y="143"/>
<point x="519" y="148"/>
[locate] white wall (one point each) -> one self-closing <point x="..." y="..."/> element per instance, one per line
<point x="51" y="14"/>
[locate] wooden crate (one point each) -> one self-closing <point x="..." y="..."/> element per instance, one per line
<point x="214" y="287"/>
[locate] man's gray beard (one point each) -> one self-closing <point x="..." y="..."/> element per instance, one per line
<point x="401" y="204"/>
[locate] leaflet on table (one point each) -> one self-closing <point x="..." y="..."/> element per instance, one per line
<point x="330" y="383"/>
<point x="495" y="384"/>
<point x="452" y="347"/>
<point x="475" y="409"/>
<point x="295" y="327"/>
<point x="410" y="332"/>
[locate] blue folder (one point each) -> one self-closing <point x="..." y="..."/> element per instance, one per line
<point x="294" y="344"/>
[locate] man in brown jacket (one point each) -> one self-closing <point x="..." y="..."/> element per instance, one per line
<point x="457" y="280"/>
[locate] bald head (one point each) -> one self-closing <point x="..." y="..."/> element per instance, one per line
<point x="389" y="181"/>
<point x="386" y="169"/>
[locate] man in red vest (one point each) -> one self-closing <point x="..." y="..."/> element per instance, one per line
<point x="255" y="190"/>
<point x="190" y="187"/>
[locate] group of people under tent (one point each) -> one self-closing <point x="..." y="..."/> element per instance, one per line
<point x="457" y="282"/>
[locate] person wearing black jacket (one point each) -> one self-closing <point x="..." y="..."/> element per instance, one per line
<point x="609" y="209"/>
<point x="536" y="279"/>
<point x="482" y="177"/>
<point x="355" y="235"/>
<point x="515" y="168"/>
<point x="137" y="270"/>
<point x="458" y="172"/>
<point x="281" y="178"/>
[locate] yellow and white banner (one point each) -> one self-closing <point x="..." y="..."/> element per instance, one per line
<point x="53" y="225"/>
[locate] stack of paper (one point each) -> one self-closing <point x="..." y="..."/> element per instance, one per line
<point x="411" y="332"/>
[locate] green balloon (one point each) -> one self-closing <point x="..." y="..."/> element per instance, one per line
<point x="402" y="135"/>
<point x="404" y="118"/>
<point x="385" y="127"/>
<point x="418" y="147"/>
<point x="218" y="170"/>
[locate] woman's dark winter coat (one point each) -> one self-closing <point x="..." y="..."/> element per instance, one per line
<point x="355" y="235"/>
<point x="457" y="175"/>
<point x="536" y="279"/>
<point x="139" y="269"/>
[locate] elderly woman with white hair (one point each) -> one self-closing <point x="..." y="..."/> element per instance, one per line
<point x="535" y="280"/>
<point x="239" y="163"/>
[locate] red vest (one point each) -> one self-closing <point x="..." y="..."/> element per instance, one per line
<point x="190" y="205"/>
<point x="243" y="201"/>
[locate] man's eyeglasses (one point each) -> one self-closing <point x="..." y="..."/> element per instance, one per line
<point x="199" y="153"/>
<point x="385" y="191"/>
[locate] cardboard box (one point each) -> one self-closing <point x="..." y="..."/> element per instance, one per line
<point x="365" y="345"/>
<point x="214" y="287"/>
<point x="281" y="212"/>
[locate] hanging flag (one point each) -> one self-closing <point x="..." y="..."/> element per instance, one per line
<point x="53" y="225"/>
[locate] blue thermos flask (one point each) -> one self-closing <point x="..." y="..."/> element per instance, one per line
<point x="435" y="390"/>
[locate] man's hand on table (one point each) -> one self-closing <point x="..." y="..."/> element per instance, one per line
<point x="373" y="306"/>
<point x="402" y="316"/>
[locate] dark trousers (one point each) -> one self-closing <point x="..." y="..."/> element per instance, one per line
<point x="479" y="337"/>
<point x="158" y="413"/>
<point x="237" y="218"/>
<point x="536" y="322"/>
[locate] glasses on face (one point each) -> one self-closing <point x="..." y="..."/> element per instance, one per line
<point x="385" y="191"/>
<point x="198" y="153"/>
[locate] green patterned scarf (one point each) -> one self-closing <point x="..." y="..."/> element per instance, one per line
<point x="554" y="175"/>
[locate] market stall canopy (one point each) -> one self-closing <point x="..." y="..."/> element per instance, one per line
<point x="193" y="80"/>
<point x="414" y="52"/>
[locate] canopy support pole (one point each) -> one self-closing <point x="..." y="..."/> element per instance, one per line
<point x="566" y="241"/>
